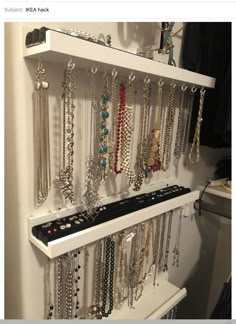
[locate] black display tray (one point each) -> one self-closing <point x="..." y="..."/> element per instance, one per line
<point x="56" y="229"/>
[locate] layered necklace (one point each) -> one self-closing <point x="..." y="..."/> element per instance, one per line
<point x="196" y="139"/>
<point x="103" y="147"/>
<point x="142" y="155"/>
<point x="90" y="196"/>
<point x="169" y="124"/>
<point x="64" y="179"/>
<point x="154" y="160"/>
<point x="128" y="127"/>
<point x="42" y="142"/>
<point x="180" y="127"/>
<point x="187" y="116"/>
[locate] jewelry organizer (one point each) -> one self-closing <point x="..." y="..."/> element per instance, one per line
<point x="58" y="48"/>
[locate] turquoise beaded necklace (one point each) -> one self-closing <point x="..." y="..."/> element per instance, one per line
<point x="104" y="132"/>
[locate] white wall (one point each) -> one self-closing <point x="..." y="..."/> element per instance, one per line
<point x="24" y="264"/>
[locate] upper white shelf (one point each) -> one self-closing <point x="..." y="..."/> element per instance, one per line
<point x="217" y="191"/>
<point x="92" y="234"/>
<point x="60" y="47"/>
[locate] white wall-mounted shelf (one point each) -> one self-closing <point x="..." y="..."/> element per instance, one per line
<point x="60" y="47"/>
<point x="87" y="236"/>
<point x="154" y="304"/>
<point x="217" y="191"/>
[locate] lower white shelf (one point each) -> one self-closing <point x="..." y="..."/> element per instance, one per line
<point x="92" y="234"/>
<point x="154" y="303"/>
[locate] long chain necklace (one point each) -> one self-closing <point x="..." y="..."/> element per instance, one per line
<point x="187" y="121"/>
<point x="114" y="105"/>
<point x="127" y="133"/>
<point x="162" y="240"/>
<point x="50" y="304"/>
<point x="64" y="179"/>
<point x="179" y="132"/>
<point x="59" y="274"/>
<point x="90" y="196"/>
<point x="142" y="155"/>
<point x="154" y="160"/>
<point x="156" y="248"/>
<point x="166" y="154"/>
<point x="196" y="138"/>
<point x="42" y="142"/>
<point x="68" y="286"/>
<point x="168" y="237"/>
<point x="176" y="250"/>
<point x="95" y="310"/>
<point x="117" y="274"/>
<point x="120" y="129"/>
<point x="103" y="149"/>
<point x="76" y="283"/>
<point x="109" y="253"/>
<point x="85" y="286"/>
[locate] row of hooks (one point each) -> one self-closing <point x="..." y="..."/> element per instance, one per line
<point x="114" y="73"/>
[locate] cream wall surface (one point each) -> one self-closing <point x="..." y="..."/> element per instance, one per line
<point x="24" y="264"/>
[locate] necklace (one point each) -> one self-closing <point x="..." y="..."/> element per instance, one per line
<point x="90" y="196"/>
<point x="166" y="154"/>
<point x="154" y="159"/>
<point x="59" y="284"/>
<point x="120" y="128"/>
<point x="127" y="133"/>
<point x="156" y="249"/>
<point x="103" y="149"/>
<point x="64" y="179"/>
<point x="165" y="268"/>
<point x="50" y="304"/>
<point x="42" y="141"/>
<point x="109" y="253"/>
<point x="179" y="132"/>
<point x="162" y="239"/>
<point x="68" y="286"/>
<point x="76" y="283"/>
<point x="142" y="154"/>
<point x="114" y="104"/>
<point x="187" y="121"/>
<point x="85" y="286"/>
<point x="96" y="309"/>
<point x="196" y="138"/>
<point x="176" y="251"/>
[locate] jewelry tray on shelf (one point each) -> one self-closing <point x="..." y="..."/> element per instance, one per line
<point x="112" y="218"/>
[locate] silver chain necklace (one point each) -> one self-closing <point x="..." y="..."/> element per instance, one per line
<point x="42" y="142"/>
<point x="90" y="198"/>
<point x="64" y="179"/>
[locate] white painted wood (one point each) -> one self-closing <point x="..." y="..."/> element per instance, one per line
<point x="217" y="191"/>
<point x="154" y="304"/>
<point x="87" y="236"/>
<point x="60" y="47"/>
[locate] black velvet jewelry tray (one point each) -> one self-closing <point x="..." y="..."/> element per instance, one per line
<point x="78" y="222"/>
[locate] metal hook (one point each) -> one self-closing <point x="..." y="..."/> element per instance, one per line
<point x="184" y="87"/>
<point x="114" y="74"/>
<point x="160" y="83"/>
<point x="147" y="80"/>
<point x="173" y="84"/>
<point x="131" y="77"/>
<point x="193" y="89"/>
<point x="202" y="91"/>
<point x="94" y="70"/>
<point x="70" y="64"/>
